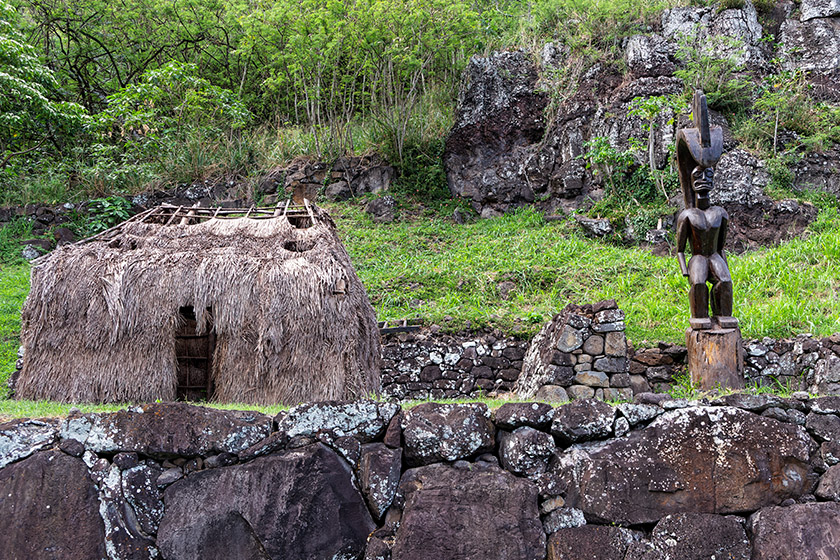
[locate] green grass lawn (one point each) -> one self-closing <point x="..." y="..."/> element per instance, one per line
<point x="448" y="274"/>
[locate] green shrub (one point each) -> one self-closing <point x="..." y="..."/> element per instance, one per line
<point x="718" y="77"/>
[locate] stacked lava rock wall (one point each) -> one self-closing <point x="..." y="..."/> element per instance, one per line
<point x="740" y="477"/>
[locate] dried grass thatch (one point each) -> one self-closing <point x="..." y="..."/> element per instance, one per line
<point x="99" y="322"/>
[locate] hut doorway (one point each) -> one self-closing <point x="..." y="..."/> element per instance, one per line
<point x="194" y="353"/>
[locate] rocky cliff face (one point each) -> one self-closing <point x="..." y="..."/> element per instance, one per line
<point x="502" y="151"/>
<point x="738" y="477"/>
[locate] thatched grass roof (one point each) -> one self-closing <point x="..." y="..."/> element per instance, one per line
<point x="99" y="322"/>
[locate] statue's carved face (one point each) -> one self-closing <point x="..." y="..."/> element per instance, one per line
<point x="702" y="180"/>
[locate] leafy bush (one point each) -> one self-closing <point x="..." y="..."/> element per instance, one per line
<point x="421" y="173"/>
<point x="717" y="76"/>
<point x="104" y="213"/>
<point x="31" y="111"/>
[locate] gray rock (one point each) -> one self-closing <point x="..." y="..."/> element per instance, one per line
<point x="122" y="537"/>
<point x="611" y="365"/>
<point x="608" y="327"/>
<point x="740" y="178"/>
<point x="435" y="432"/>
<point x="140" y="489"/>
<point x="595" y="227"/>
<point x="472" y="514"/>
<point x="167" y="429"/>
<point x="825" y="405"/>
<point x="337" y="191"/>
<point x="525" y="451"/>
<point x="582" y="420"/>
<point x="649" y="55"/>
<point x="591" y="541"/>
<point x="621" y="427"/>
<point x="169" y="476"/>
<point x="22" y="438"/>
<point x="812" y="45"/>
<point x="699" y="459"/>
<point x="620" y="381"/>
<point x="734" y="33"/>
<point x="592" y="379"/>
<point x="570" y="339"/>
<point x="824" y="427"/>
<point x="364" y="420"/>
<point x="510" y="416"/>
<point x="639" y="413"/>
<point x="382" y="210"/>
<point x="563" y="518"/>
<point x="294" y="504"/>
<point x="578" y="392"/>
<point x="616" y="345"/>
<point x="798" y="531"/>
<point x="379" y="476"/>
<point x="594" y="345"/>
<point x="552" y="393"/>
<point x="49" y="509"/>
<point x="30" y="253"/>
<point x="639" y="384"/>
<point x="694" y="536"/>
<point x="811" y="9"/>
<point x="374" y="179"/>
<point x="829" y="486"/>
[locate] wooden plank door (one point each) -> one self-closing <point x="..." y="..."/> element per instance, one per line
<point x="195" y="358"/>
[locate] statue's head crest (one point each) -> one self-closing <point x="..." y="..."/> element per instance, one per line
<point x="699" y="146"/>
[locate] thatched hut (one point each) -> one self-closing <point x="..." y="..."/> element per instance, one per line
<point x="255" y="306"/>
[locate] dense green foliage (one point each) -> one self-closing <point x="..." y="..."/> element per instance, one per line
<point x="30" y="114"/>
<point x="156" y="92"/>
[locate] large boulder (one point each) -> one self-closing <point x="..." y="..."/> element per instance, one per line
<point x="297" y="504"/>
<point x="740" y="179"/>
<point x="798" y="531"/>
<point x="811" y="9"/>
<point x="470" y="514"/>
<point x="434" y="432"/>
<point x="583" y="420"/>
<point x="525" y="451"/>
<point x="500" y="114"/>
<point x="22" y="438"/>
<point x="700" y="459"/>
<point x="49" y="509"/>
<point x="591" y="541"/>
<point x="364" y="420"/>
<point x="168" y="429"/>
<point x="694" y="536"/>
<point x="733" y="33"/>
<point x="379" y="475"/>
<point x="811" y="45"/>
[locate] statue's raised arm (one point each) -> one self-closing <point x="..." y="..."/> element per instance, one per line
<point x="701" y="225"/>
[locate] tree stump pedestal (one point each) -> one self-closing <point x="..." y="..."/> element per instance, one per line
<point x="715" y="358"/>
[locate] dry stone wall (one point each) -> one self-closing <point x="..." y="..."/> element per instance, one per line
<point x="583" y="352"/>
<point x="424" y="365"/>
<point x="740" y="477"/>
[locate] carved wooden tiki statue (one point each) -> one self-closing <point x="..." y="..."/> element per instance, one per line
<point x="701" y="224"/>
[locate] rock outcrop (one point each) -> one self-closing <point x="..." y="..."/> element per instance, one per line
<point x="500" y="115"/>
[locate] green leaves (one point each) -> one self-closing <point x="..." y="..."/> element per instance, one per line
<point x="31" y="111"/>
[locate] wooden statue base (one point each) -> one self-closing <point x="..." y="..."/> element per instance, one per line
<point x="715" y="358"/>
